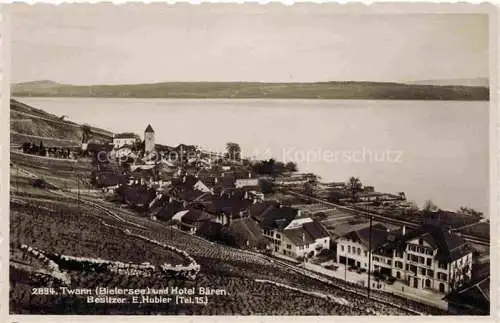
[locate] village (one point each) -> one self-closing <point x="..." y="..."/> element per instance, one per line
<point x="342" y="229"/>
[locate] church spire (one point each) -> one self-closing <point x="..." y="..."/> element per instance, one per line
<point x="149" y="129"/>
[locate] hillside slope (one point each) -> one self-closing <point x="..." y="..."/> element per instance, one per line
<point x="320" y="90"/>
<point x="28" y="124"/>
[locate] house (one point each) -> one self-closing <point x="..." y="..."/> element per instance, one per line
<point x="248" y="182"/>
<point x="189" y="187"/>
<point x="247" y="233"/>
<point x="123" y="151"/>
<point x="426" y="258"/>
<point x="125" y="138"/>
<point x="230" y="204"/>
<point x="258" y="211"/>
<point x="191" y="220"/>
<point x="169" y="208"/>
<point x="292" y="235"/>
<point x="305" y="240"/>
<point x="433" y="258"/>
<point x="353" y="248"/>
<point x="136" y="195"/>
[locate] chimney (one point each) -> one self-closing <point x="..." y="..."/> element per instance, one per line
<point x="403" y="230"/>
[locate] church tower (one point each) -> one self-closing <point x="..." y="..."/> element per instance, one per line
<point x="149" y="140"/>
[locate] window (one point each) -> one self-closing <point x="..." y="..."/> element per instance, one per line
<point x="407" y="267"/>
<point x="429" y="262"/>
<point x="414" y="258"/>
<point x="366" y="253"/>
<point x="342" y="248"/>
<point x="413" y="269"/>
<point x="430" y="273"/>
<point x="359" y="251"/>
<point x="349" y="249"/>
<point x="442" y="276"/>
<point x="278" y="236"/>
<point x="421" y="260"/>
<point x="422" y="271"/>
<point x="389" y="262"/>
<point x="375" y="259"/>
<point x="399" y="254"/>
<point x="408" y="256"/>
<point x="398" y="264"/>
<point x="427" y="283"/>
<point x="289" y="246"/>
<point x="443" y="265"/>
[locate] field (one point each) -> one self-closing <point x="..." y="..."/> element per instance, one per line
<point x="84" y="235"/>
<point x="29" y="124"/>
<point x="61" y="173"/>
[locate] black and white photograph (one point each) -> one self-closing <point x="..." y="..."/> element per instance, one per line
<point x="250" y="160"/>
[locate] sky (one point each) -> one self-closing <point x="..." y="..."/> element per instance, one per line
<point x="105" y="44"/>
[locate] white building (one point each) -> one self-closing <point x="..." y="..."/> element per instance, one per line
<point x="124" y="139"/>
<point x="294" y="236"/>
<point x="427" y="258"/>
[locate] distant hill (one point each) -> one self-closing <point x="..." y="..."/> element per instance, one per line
<point x="200" y="90"/>
<point x="479" y="81"/>
<point x="29" y="124"/>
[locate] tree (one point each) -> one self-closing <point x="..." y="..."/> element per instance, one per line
<point x="354" y="186"/>
<point x="233" y="151"/>
<point x="334" y="196"/>
<point x="429" y="206"/>
<point x="312" y="178"/>
<point x="429" y="209"/>
<point x="309" y="189"/>
<point x="291" y="167"/>
<point x="86" y="133"/>
<point x="41" y="149"/>
<point x="469" y="212"/>
<point x="412" y="208"/>
<point x="26" y="147"/>
<point x="266" y="167"/>
<point x="266" y="186"/>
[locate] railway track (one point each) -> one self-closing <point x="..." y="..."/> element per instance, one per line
<point x="378" y="217"/>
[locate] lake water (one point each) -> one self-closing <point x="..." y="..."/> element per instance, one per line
<point x="434" y="150"/>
